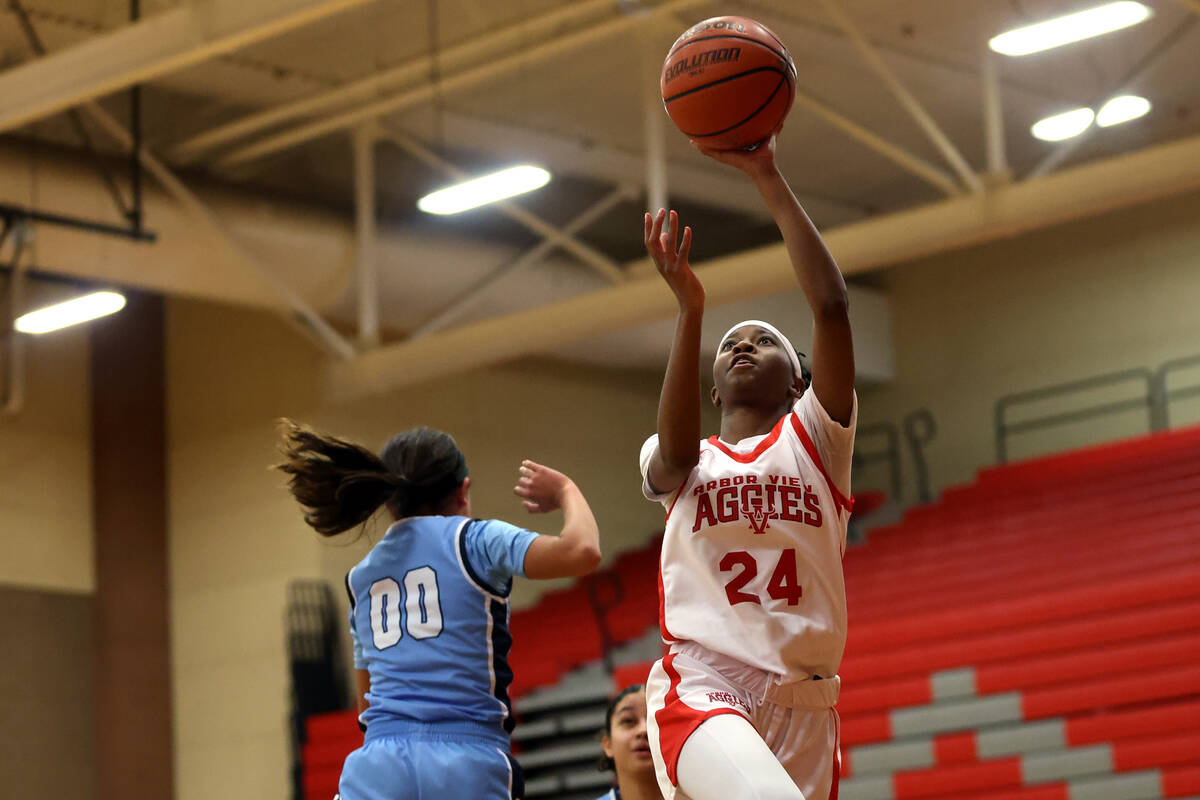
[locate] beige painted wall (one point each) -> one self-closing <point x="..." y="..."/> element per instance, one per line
<point x="237" y="538"/>
<point x="1114" y="292"/>
<point x="45" y="471"/>
<point x="232" y="546"/>
<point x="1104" y="294"/>
<point x="47" y="708"/>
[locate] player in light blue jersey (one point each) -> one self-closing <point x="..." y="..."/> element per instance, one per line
<point x="429" y="606"/>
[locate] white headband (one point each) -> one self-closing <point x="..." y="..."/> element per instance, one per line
<point x="783" y="340"/>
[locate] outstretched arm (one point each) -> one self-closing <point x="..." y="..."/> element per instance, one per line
<point x="819" y="276"/>
<point x="679" y="403"/>
<point x="576" y="549"/>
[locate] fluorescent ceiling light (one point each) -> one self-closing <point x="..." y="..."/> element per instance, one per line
<point x="72" y="312"/>
<point x="1063" y="126"/>
<point x="1070" y="28"/>
<point x="1122" y="109"/>
<point x="487" y="189"/>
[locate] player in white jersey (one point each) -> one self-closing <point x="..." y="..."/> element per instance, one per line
<point x="752" y="597"/>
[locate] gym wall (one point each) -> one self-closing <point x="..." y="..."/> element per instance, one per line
<point x="47" y="577"/>
<point x="1093" y="296"/>
<point x="237" y="537"/>
<point x="45" y="471"/>
<point x="1100" y="295"/>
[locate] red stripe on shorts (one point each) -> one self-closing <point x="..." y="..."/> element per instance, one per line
<point x="677" y="720"/>
<point x="837" y="755"/>
<point x="662" y="609"/>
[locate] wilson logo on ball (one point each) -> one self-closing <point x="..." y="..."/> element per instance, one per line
<point x="718" y="56"/>
<point x="710" y="25"/>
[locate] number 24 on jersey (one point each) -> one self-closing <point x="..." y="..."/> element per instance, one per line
<point x="784" y="583"/>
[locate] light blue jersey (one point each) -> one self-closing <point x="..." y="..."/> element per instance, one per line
<point x="429" y="618"/>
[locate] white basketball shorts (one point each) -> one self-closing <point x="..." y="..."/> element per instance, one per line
<point x="796" y="721"/>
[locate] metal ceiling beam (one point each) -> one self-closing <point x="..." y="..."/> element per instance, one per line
<point x="467" y="78"/>
<point x="913" y="56"/>
<point x="163" y="43"/>
<point x="411" y="70"/>
<point x="957" y="222"/>
<point x="654" y="133"/>
<point x="993" y="116"/>
<point x="697" y="180"/>
<point x="894" y="153"/>
<point x="13" y="373"/>
<point x="366" y="256"/>
<point x="601" y="263"/>
<point x="910" y="103"/>
<point x="306" y="314"/>
<point x="527" y="259"/>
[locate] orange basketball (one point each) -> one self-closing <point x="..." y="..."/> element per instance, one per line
<point x="728" y="82"/>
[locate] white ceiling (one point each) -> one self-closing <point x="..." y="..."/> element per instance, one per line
<point x="582" y="114"/>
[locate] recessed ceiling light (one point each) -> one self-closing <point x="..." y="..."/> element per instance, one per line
<point x="1069" y="28"/>
<point x="483" y="190"/>
<point x="1122" y="109"/>
<point x="1063" y="126"/>
<point x="71" y="312"/>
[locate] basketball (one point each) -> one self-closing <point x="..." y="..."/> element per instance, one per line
<point x="728" y="82"/>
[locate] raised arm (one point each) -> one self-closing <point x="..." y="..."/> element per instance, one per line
<point x="576" y="549"/>
<point x="679" y="403"/>
<point x="819" y="276"/>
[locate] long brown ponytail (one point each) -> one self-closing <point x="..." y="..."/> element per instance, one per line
<point x="341" y="484"/>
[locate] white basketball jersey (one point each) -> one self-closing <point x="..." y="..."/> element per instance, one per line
<point x="751" y="562"/>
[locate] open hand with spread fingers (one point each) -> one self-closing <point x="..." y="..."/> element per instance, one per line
<point x="540" y="487"/>
<point x="671" y="257"/>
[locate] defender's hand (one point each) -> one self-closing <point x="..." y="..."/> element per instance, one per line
<point x="541" y="487"/>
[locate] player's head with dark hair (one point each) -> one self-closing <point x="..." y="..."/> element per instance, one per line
<point x="625" y="742"/>
<point x="756" y="365"/>
<point x="341" y="484"/>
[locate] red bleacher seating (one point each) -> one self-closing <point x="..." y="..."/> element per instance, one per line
<point x="560" y="632"/>
<point x="1060" y="594"/>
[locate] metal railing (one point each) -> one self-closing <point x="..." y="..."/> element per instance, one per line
<point x="920" y="428"/>
<point x="1004" y="428"/>
<point x="1165" y="395"/>
<point x="890" y="452"/>
<point x="1154" y="398"/>
<point x="601" y="602"/>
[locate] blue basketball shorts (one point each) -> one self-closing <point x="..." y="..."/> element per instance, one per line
<point x="431" y="761"/>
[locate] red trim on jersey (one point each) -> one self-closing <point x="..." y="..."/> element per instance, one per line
<point x="678" y="494"/>
<point x="677" y="721"/>
<point x="806" y="440"/>
<point x="837" y="755"/>
<point x="662" y="595"/>
<point x="662" y="608"/>
<point x="759" y="449"/>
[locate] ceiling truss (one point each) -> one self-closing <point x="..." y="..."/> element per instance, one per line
<point x="196" y="31"/>
<point x="165" y="42"/>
